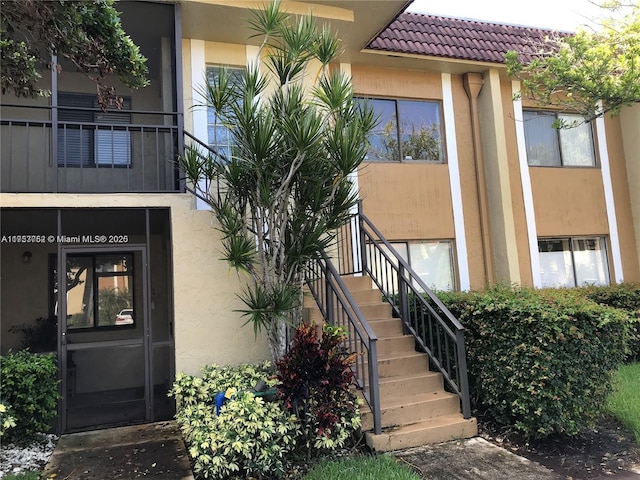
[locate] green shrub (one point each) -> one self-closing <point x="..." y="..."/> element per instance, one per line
<point x="540" y="360"/>
<point x="249" y="438"/>
<point x="29" y="384"/>
<point x="315" y="378"/>
<point x="627" y="297"/>
<point x="7" y="421"/>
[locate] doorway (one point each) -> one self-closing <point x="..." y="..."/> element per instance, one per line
<point x="104" y="341"/>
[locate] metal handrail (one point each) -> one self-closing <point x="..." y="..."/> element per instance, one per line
<point x="437" y="332"/>
<point x="339" y="308"/>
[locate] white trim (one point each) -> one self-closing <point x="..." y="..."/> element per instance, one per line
<point x="454" y="182"/>
<point x="525" y="180"/>
<point x="603" y="152"/>
<point x="198" y="114"/>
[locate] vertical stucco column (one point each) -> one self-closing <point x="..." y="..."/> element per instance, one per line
<point x="498" y="187"/>
<point x="454" y="182"/>
<point x="472" y="85"/>
<point x="630" y="121"/>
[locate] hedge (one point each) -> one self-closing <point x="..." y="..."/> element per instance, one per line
<point x="540" y="360"/>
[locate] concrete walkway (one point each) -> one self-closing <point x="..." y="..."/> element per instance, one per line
<point x="157" y="450"/>
<point x="473" y="459"/>
<point x="125" y="453"/>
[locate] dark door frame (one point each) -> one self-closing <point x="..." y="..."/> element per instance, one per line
<point x="63" y="345"/>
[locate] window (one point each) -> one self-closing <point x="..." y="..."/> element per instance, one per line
<point x="571" y="262"/>
<point x="407" y="130"/>
<point x="431" y="260"/>
<point x="548" y="146"/>
<point x="220" y="135"/>
<point x="100" y="290"/>
<point x="83" y="138"/>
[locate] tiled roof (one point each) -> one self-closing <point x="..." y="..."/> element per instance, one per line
<point x="464" y="39"/>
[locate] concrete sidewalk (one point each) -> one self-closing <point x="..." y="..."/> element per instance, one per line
<point x="126" y="453"/>
<point x="473" y="459"/>
<point x="157" y="450"/>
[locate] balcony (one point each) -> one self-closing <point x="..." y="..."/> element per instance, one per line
<point x="84" y="150"/>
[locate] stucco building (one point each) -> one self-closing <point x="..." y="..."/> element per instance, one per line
<point x="471" y="184"/>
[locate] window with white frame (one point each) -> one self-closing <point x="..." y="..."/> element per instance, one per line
<point x="573" y="262"/>
<point x="548" y="146"/>
<point x="407" y="130"/>
<point x="220" y="136"/>
<point x="432" y="260"/>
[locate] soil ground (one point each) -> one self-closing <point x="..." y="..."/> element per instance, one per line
<point x="607" y="451"/>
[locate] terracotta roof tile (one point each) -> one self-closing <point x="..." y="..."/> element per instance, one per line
<point x="458" y="38"/>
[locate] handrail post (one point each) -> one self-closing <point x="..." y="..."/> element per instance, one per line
<point x="328" y="298"/>
<point x="403" y="301"/>
<point x="363" y="244"/>
<point x="374" y="386"/>
<point x="463" y="377"/>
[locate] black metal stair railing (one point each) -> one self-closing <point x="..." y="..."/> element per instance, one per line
<point x="340" y="309"/>
<point x="364" y="250"/>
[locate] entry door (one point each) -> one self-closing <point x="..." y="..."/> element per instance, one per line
<point x="103" y="343"/>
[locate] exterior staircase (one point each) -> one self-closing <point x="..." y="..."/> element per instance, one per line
<point x="415" y="408"/>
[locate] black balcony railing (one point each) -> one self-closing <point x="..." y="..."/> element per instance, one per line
<point x="40" y="154"/>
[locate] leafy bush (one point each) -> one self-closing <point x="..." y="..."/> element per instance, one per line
<point x="627" y="297"/>
<point x="7" y="421"/>
<point x="29" y="384"/>
<point x="315" y="378"/>
<point x="250" y="437"/>
<point x="540" y="360"/>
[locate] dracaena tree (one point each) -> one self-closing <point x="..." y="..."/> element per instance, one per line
<point x="297" y="135"/>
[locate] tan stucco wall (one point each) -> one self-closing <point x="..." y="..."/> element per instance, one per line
<point x="622" y="200"/>
<point x="467" y="167"/>
<point x="407" y="201"/>
<point x="206" y="327"/>
<point x="498" y="175"/>
<point x="515" y="182"/>
<point x="630" y="126"/>
<point x="388" y="82"/>
<point x="568" y="201"/>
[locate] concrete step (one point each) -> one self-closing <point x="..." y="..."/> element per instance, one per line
<point x="410" y="385"/>
<point x="355" y="284"/>
<point x="400" y="365"/>
<point x="361" y="297"/>
<point x="396" y="345"/>
<point x="436" y="430"/>
<point x="370" y="311"/>
<point x="385" y="328"/>
<point x="410" y="409"/>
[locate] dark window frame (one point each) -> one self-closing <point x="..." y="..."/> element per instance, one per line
<point x="398" y="130"/>
<point x="130" y="272"/>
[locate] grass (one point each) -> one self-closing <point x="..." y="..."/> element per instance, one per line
<point x="624" y="402"/>
<point x="30" y="475"/>
<point x="381" y="467"/>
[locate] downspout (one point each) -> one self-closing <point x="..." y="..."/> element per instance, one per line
<point x="472" y="85"/>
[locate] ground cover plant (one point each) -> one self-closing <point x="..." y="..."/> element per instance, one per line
<point x="248" y="436"/>
<point x="624" y="401"/>
<point x="540" y="361"/>
<point x="360" y="467"/>
<point x="29" y="394"/>
<point x="31" y="475"/>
